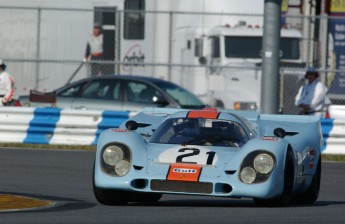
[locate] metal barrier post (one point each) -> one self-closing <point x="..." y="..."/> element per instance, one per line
<point x="38" y="48"/>
<point x="270" y="57"/>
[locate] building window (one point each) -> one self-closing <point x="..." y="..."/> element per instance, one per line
<point x="215" y="47"/>
<point x="199" y="46"/>
<point x="134" y="23"/>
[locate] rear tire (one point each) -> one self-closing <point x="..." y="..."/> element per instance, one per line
<point x="284" y="198"/>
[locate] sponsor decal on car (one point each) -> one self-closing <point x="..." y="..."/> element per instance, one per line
<point x="270" y="138"/>
<point x="119" y="130"/>
<point x="184" y="172"/>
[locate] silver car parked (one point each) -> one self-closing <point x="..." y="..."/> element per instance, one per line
<point x="118" y="92"/>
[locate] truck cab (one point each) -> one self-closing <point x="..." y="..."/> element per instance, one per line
<point x="231" y="58"/>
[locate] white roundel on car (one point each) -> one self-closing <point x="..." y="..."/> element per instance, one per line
<point x="189" y="154"/>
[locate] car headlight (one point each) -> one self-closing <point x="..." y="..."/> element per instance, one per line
<point x="122" y="167"/>
<point x="112" y="155"/>
<point x="248" y="175"/>
<point x="257" y="167"/>
<point x="263" y="163"/>
<point x="116" y="159"/>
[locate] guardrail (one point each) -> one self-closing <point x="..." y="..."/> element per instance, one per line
<point x="78" y="127"/>
<point x="56" y="126"/>
<point x="337" y="112"/>
<point x="333" y="131"/>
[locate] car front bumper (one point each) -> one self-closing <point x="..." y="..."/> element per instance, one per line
<point x="226" y="184"/>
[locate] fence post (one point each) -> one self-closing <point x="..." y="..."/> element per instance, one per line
<point x="323" y="32"/>
<point x="310" y="23"/>
<point x="118" y="41"/>
<point x="170" y="44"/>
<point x="38" y="48"/>
<point x="270" y="57"/>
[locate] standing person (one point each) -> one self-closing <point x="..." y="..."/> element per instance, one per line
<point x="6" y="85"/>
<point x="94" y="50"/>
<point x="311" y="96"/>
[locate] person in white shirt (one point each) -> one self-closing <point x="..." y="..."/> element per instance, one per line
<point x="94" y="50"/>
<point x="6" y="85"/>
<point x="311" y="96"/>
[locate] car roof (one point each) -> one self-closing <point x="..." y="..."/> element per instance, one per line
<point x="155" y="81"/>
<point x="125" y="77"/>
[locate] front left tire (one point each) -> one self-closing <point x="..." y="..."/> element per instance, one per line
<point x="285" y="197"/>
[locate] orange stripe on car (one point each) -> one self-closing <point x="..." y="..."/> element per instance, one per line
<point x="208" y="114"/>
<point x="184" y="172"/>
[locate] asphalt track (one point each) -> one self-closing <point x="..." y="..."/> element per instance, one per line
<point x="64" y="177"/>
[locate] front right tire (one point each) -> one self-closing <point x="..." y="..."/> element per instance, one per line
<point x="146" y="197"/>
<point x="117" y="197"/>
<point x="312" y="193"/>
<point x="109" y="197"/>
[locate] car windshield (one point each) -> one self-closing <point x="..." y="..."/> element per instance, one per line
<point x="250" y="47"/>
<point x="200" y="131"/>
<point x="180" y="95"/>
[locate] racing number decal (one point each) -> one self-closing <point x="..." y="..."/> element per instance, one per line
<point x="210" y="155"/>
<point x="189" y="155"/>
<point x="180" y="157"/>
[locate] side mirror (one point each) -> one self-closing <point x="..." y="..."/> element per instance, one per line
<point x="131" y="125"/>
<point x="159" y="101"/>
<point x="279" y="132"/>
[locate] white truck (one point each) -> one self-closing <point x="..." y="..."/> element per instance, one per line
<point x="219" y="54"/>
<point x="232" y="59"/>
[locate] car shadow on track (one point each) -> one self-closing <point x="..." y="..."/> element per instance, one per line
<point x="227" y="203"/>
<point x="198" y="203"/>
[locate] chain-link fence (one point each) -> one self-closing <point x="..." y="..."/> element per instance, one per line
<point x="213" y="54"/>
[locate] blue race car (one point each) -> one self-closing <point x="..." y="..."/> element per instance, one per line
<point x="273" y="159"/>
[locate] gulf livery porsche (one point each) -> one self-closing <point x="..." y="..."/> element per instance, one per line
<point x="274" y="159"/>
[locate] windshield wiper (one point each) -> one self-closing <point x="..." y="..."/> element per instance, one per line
<point x="210" y="138"/>
<point x="191" y="106"/>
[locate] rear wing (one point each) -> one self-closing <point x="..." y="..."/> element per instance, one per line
<point x="304" y="127"/>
